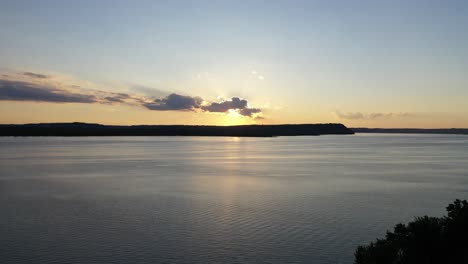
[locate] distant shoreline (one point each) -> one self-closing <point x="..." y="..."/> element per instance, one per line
<point x="86" y="129"/>
<point x="77" y="129"/>
<point x="448" y="131"/>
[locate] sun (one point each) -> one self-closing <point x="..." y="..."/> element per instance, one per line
<point x="232" y="118"/>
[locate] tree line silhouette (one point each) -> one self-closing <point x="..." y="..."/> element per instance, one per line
<point x="425" y="240"/>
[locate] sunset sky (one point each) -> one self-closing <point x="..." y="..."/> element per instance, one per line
<point x="360" y="63"/>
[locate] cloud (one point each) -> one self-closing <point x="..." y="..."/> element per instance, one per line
<point x="34" y="87"/>
<point x="259" y="76"/>
<point x="240" y="105"/>
<point x="113" y="99"/>
<point x="175" y="102"/>
<point x="24" y="91"/>
<point x="249" y="111"/>
<point x="35" y="75"/>
<point x="379" y="115"/>
<point x="359" y="115"/>
<point x="20" y="90"/>
<point x="148" y="91"/>
<point x="356" y="115"/>
<point x="224" y="106"/>
<point x="117" y="97"/>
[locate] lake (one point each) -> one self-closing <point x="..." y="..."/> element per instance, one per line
<point x="218" y="199"/>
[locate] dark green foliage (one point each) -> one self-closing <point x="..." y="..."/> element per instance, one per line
<point x="425" y="240"/>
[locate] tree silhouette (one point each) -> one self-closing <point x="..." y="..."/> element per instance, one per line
<point x="426" y="240"/>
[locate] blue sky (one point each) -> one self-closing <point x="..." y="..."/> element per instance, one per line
<point x="363" y="63"/>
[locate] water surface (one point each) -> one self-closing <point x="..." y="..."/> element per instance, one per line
<point x="218" y="199"/>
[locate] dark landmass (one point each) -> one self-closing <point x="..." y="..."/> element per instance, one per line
<point x="424" y="240"/>
<point x="85" y="129"/>
<point x="453" y="131"/>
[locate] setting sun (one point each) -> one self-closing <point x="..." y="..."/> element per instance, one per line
<point x="234" y="118"/>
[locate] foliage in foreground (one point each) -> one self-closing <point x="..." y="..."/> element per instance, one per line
<point x="424" y="240"/>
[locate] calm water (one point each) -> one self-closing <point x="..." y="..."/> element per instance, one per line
<point x="218" y="200"/>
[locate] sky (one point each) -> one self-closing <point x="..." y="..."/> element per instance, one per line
<point x="388" y="64"/>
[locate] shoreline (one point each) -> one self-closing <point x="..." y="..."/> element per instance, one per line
<point x="85" y="129"/>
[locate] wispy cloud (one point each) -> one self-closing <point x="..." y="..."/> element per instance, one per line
<point x="255" y="74"/>
<point x="27" y="87"/>
<point x="147" y="91"/>
<point x="24" y="91"/>
<point x="36" y="75"/>
<point x="360" y="115"/>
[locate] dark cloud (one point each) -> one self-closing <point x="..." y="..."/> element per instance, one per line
<point x="35" y="75"/>
<point x="249" y="111"/>
<point x="234" y="103"/>
<point x="175" y="102"/>
<point x="240" y="105"/>
<point x="113" y="99"/>
<point x="24" y="91"/>
<point x="359" y="115"/>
